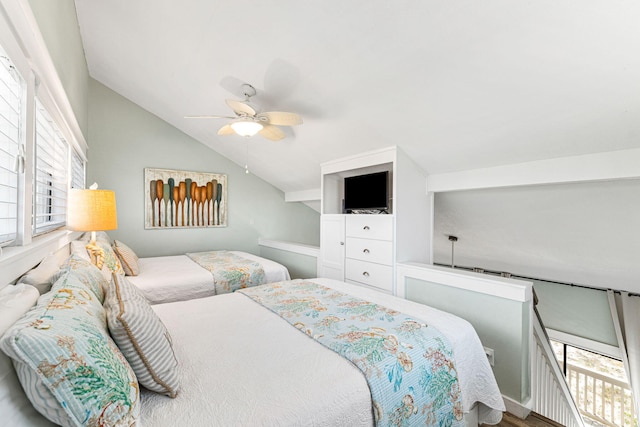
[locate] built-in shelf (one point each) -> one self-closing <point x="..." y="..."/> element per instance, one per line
<point x="404" y="233"/>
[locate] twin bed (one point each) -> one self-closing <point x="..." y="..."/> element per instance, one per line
<point x="257" y="357"/>
<point x="177" y="278"/>
<point x="182" y="277"/>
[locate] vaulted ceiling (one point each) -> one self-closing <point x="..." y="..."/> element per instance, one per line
<point x="458" y="85"/>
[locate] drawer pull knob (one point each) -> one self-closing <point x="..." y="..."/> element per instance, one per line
<point x="366" y="227"/>
<point x="366" y="251"/>
<point x="341" y="243"/>
<point x="365" y="274"/>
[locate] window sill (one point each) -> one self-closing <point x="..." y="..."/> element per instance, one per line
<point x="16" y="260"/>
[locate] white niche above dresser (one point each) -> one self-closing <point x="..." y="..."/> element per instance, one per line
<point x="364" y="248"/>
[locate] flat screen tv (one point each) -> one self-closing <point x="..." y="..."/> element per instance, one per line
<point x="366" y="192"/>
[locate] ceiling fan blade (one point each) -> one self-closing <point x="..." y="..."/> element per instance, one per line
<point x="226" y="130"/>
<point x="272" y="132"/>
<point x="209" y="117"/>
<point x="282" y="118"/>
<point x="240" y="108"/>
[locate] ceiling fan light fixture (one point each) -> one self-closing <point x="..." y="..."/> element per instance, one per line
<point x="246" y="127"/>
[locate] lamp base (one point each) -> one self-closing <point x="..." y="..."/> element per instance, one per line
<point x="95" y="253"/>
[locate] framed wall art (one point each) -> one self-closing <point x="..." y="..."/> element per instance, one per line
<point x="182" y="199"/>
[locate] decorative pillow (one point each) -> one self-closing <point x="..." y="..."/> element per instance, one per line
<point x="128" y="258"/>
<point x="69" y="367"/>
<point x="79" y="249"/>
<point x="142" y="337"/>
<point x="102" y="236"/>
<point x="111" y="260"/>
<point x="40" y="277"/>
<point x="80" y="271"/>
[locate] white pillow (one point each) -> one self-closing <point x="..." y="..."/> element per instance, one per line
<point x="40" y="277"/>
<point x="15" y="301"/>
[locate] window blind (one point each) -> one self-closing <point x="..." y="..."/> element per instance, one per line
<point x="11" y="88"/>
<point x="50" y="178"/>
<point x="77" y="170"/>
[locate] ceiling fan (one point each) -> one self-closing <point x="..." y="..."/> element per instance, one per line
<point x="247" y="121"/>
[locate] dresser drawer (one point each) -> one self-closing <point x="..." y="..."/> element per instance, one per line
<point x="376" y="275"/>
<point x="378" y="227"/>
<point x="378" y="251"/>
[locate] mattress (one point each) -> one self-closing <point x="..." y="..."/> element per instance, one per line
<point x="177" y="278"/>
<point x="241" y="364"/>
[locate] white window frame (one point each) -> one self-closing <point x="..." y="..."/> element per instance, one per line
<point x="11" y="147"/>
<point x="52" y="170"/>
<point x="23" y="43"/>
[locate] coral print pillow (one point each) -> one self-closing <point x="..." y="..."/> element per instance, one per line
<point x="69" y="367"/>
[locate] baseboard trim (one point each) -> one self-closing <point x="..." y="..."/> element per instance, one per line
<point x="516" y="408"/>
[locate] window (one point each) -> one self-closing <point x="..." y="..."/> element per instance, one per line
<point x="598" y="384"/>
<point x="50" y="178"/>
<point x="77" y="170"/>
<point x="11" y="90"/>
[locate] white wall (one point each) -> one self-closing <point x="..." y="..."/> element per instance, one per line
<point x="124" y="139"/>
<point x="586" y="233"/>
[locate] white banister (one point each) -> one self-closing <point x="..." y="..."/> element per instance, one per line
<point x="552" y="397"/>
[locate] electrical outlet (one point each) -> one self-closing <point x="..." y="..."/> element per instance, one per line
<point x="489" y="352"/>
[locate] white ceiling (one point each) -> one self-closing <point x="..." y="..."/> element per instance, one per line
<point x="458" y="84"/>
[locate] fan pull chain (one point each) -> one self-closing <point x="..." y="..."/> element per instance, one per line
<point x="246" y="163"/>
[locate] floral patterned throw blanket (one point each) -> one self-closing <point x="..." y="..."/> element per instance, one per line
<point x="408" y="365"/>
<point x="230" y="271"/>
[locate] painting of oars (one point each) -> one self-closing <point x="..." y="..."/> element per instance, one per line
<point x="152" y="195"/>
<point x="176" y="197"/>
<point x="193" y="200"/>
<point x="203" y="201"/>
<point x="172" y="185"/>
<point x="187" y="189"/>
<point x="200" y="196"/>
<point x="165" y="199"/>
<point x="159" y="194"/>
<point x="209" y="197"/>
<point x="182" y="195"/>
<point x="219" y="199"/>
<point x="214" y="186"/>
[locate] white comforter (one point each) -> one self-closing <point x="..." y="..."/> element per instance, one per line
<point x="243" y="365"/>
<point x="178" y="278"/>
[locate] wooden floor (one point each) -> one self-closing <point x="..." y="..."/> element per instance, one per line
<point x="533" y="419"/>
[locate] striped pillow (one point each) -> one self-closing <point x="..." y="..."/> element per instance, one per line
<point x="142" y="337"/>
<point x="128" y="258"/>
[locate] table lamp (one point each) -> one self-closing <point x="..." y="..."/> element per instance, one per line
<point x="92" y="210"/>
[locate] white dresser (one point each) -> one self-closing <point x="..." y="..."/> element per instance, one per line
<point x="365" y="248"/>
<point x="369" y="251"/>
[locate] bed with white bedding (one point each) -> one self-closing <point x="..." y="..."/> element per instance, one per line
<point x="181" y="277"/>
<point x="176" y="278"/>
<point x="255" y="369"/>
<point x="238" y="362"/>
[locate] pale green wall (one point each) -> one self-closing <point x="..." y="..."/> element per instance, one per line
<point x="300" y="266"/>
<point x="501" y="324"/>
<point x="58" y="24"/>
<point x="125" y="139"/>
